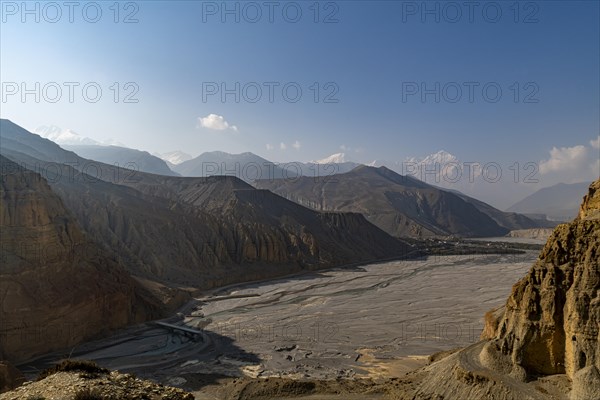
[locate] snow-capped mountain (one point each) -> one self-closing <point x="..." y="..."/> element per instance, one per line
<point x="445" y="170"/>
<point x="68" y="137"/>
<point x="337" y="158"/>
<point x="63" y="136"/>
<point x="174" y="157"/>
<point x="441" y="157"/>
<point x="440" y="168"/>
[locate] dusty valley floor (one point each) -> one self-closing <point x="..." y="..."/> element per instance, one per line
<point x="374" y="321"/>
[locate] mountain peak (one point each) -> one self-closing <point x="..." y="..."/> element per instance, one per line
<point x="439" y="157"/>
<point x="337" y="158"/>
<point x="174" y="157"/>
<point x="63" y="136"/>
<point x="69" y="137"/>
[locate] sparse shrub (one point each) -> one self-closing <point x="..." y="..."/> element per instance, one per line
<point x="73" y="365"/>
<point x="89" y="375"/>
<point x="88" y="394"/>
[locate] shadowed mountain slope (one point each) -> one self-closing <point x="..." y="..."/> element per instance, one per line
<point x="202" y="232"/>
<point x="57" y="286"/>
<point x="246" y="166"/>
<point x="558" y="202"/>
<point x="509" y="220"/>
<point x="400" y="205"/>
<point x="124" y="157"/>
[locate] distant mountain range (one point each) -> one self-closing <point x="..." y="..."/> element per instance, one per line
<point x="558" y="202"/>
<point x="249" y="167"/>
<point x="124" y="157"/>
<point x="105" y="152"/>
<point x="400" y="205"/>
<point x="207" y="222"/>
<point x="164" y="230"/>
<point x="438" y="169"/>
<point x="246" y="166"/>
<point x="69" y="137"/>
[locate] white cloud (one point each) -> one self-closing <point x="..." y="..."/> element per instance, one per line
<point x="348" y="149"/>
<point x="564" y="159"/>
<point x="297" y="145"/>
<point x="270" y="147"/>
<point x="595" y="142"/>
<point x="282" y="146"/>
<point x="215" y="122"/>
<point x="595" y="167"/>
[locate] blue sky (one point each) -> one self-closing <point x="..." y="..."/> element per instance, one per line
<point x="370" y="54"/>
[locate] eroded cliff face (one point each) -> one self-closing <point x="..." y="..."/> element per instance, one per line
<point x="544" y="342"/>
<point x="210" y="232"/>
<point x="196" y="232"/>
<point x="551" y="321"/>
<point x="56" y="287"/>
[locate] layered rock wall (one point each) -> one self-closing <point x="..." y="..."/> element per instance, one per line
<point x="551" y="322"/>
<point x="56" y="287"/>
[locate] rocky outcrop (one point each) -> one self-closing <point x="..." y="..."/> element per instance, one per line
<point x="544" y="342"/>
<point x="551" y="323"/>
<point x="91" y="382"/>
<point x="57" y="287"/>
<point x="590" y="208"/>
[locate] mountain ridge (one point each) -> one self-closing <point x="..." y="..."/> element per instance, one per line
<point x="401" y="205"/>
<point x="123" y="156"/>
<point x="559" y="201"/>
<point x="45" y="254"/>
<point x="236" y="228"/>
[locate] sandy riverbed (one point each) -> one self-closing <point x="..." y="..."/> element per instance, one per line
<point x="378" y="320"/>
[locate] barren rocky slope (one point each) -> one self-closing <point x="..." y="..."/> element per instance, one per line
<point x="544" y="343"/>
<point x="558" y="202"/>
<point x="508" y="219"/>
<point x="246" y="166"/>
<point x="125" y="157"/>
<point x="57" y="286"/>
<point x="74" y="379"/>
<point x="400" y="205"/>
<point x="551" y="324"/>
<point x="203" y="232"/>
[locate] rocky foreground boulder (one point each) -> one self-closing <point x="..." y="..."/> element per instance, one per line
<point x="73" y="379"/>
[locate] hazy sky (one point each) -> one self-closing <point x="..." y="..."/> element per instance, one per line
<point x="379" y="79"/>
